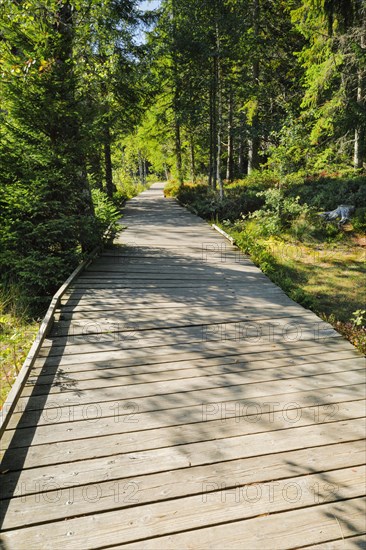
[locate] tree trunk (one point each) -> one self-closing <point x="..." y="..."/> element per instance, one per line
<point x="241" y="171"/>
<point x="219" y="114"/>
<point x="253" y="150"/>
<point x="178" y="152"/>
<point x="359" y="149"/>
<point x="254" y="141"/>
<point x="193" y="158"/>
<point x="213" y="125"/>
<point x="141" y="168"/>
<point x="230" y="140"/>
<point x="65" y="130"/>
<point x="110" y="188"/>
<point x="176" y="97"/>
<point x="210" y="174"/>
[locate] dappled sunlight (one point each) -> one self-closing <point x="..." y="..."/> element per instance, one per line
<point x="184" y="376"/>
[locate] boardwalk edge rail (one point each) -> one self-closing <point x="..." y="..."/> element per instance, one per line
<point x="46" y="325"/>
<point x="214" y="226"/>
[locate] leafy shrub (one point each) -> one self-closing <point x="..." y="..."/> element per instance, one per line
<point x="171" y="189"/>
<point x="128" y="187"/>
<point x="359" y="220"/>
<point x="356" y="334"/>
<point x="205" y="202"/>
<point x="359" y="318"/>
<point x="278" y="211"/>
<point x="327" y="193"/>
<point x="258" y="179"/>
<point x="119" y="198"/>
<point x="106" y="212"/>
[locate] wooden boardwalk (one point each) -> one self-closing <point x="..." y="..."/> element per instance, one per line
<point x="183" y="401"/>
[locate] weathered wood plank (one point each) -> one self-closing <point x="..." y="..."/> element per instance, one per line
<point x="58" y="502"/>
<point x="311" y="354"/>
<point x="349" y="543"/>
<point x="212" y="339"/>
<point x="188" y="513"/>
<point x="122" y="416"/>
<point x="323" y="363"/>
<point x="285" y="531"/>
<point x="128" y="335"/>
<point x="109" y="467"/>
<point x="139" y="432"/>
<point x="198" y="381"/>
<point x="224" y="321"/>
<point x="223" y="352"/>
<point x="171" y="394"/>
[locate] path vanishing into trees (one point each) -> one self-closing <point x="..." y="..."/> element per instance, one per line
<point x="182" y="400"/>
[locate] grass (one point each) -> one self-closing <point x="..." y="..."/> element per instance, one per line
<point x="319" y="272"/>
<point x="328" y="278"/>
<point x="16" y="337"/>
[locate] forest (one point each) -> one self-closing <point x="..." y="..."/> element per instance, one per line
<point x="253" y="111"/>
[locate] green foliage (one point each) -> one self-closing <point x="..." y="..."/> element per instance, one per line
<point x="326" y="193"/>
<point x="171" y="189"/>
<point x="278" y="211"/>
<point x="106" y="214"/>
<point x="359" y="318"/>
<point x="207" y="203"/>
<point x="55" y="121"/>
<point x="16" y="337"/>
<point x="359" y="220"/>
<point x="17" y="331"/>
<point x="356" y="334"/>
<point x="258" y="179"/>
<point x="128" y="187"/>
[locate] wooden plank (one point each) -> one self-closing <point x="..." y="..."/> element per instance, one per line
<point x="172" y="313"/>
<point x="121" y="416"/>
<point x="166" y="394"/>
<point x="258" y="333"/>
<point x="159" y="353"/>
<point x="285" y="328"/>
<point x="141" y="432"/>
<point x="148" y="321"/>
<point x="191" y="512"/>
<point x="198" y="380"/>
<point x="311" y="354"/>
<point x="122" y="303"/>
<point x="192" y="351"/>
<point x="284" y="531"/>
<point x="57" y="503"/>
<point x="222" y="232"/>
<point x="183" y="290"/>
<point x="349" y="543"/>
<point x="136" y="463"/>
<point x="330" y="362"/>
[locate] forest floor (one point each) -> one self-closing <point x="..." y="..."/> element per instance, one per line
<point x="329" y="280"/>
